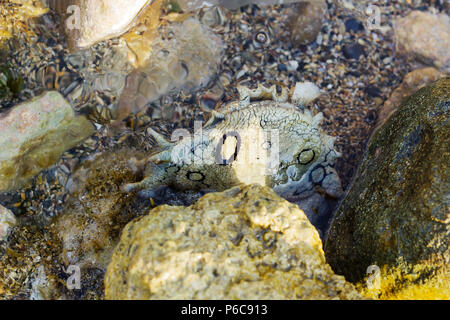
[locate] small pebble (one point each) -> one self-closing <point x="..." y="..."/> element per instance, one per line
<point x="282" y="67"/>
<point x="292" y="65"/>
<point x="353" y="25"/>
<point x="373" y="91"/>
<point x="353" y="51"/>
<point x="305" y="92"/>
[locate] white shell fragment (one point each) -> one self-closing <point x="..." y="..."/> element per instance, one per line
<point x="305" y="93"/>
<point x="7" y="220"/>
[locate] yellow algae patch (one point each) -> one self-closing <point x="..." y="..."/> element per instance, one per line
<point x="407" y="282"/>
<point x="14" y="15"/>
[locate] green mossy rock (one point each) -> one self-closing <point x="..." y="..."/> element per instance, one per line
<point x="397" y="211"/>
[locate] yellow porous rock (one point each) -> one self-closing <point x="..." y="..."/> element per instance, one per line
<point x="243" y="243"/>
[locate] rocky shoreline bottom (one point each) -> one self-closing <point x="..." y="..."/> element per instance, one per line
<point x="75" y="128"/>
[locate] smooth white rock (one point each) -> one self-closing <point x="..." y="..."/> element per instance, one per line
<point x="7" y="220"/>
<point x="305" y="92"/>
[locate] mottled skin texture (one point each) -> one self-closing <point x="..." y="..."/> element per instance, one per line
<point x="272" y="141"/>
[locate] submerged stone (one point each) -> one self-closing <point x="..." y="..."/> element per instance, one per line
<point x="353" y="51"/>
<point x="396" y="215"/>
<point x="411" y="83"/>
<point x="305" y="21"/>
<point x="34" y="134"/>
<point x="243" y="243"/>
<point x="185" y="55"/>
<point x="354" y="25"/>
<point x="90" y="21"/>
<point x="425" y="37"/>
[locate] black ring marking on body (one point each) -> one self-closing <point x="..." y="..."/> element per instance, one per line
<point x="262" y="123"/>
<point x="314" y="170"/>
<point x="308" y="162"/>
<point x="190" y="173"/>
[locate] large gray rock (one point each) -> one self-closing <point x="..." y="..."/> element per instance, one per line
<point x="396" y="214"/>
<point x="34" y="134"/>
